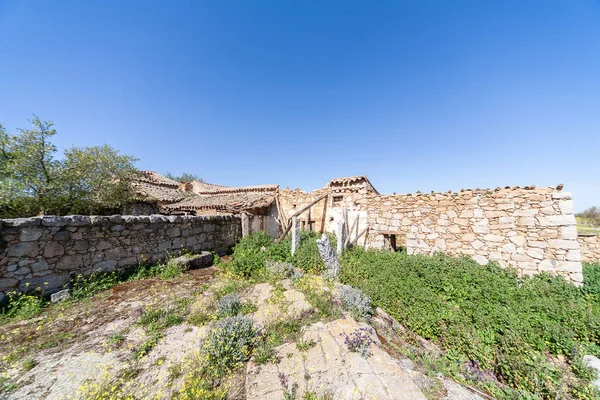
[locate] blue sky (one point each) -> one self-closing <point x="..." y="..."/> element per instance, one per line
<point x="417" y="95"/>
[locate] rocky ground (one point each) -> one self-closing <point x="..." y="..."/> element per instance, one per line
<point x="98" y="346"/>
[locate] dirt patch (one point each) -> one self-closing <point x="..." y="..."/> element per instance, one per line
<point x="97" y="333"/>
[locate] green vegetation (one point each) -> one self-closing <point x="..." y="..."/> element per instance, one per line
<point x="487" y="319"/>
<point x="89" y="180"/>
<point x="184" y="177"/>
<point x="252" y="252"/>
<point x="588" y="221"/>
<point x="22" y="306"/>
<point x="156" y="320"/>
<point x="591" y="277"/>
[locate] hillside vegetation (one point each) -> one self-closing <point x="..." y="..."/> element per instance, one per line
<point x="588" y="221"/>
<point x="513" y="337"/>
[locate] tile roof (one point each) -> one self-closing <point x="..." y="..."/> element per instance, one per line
<point x="156" y="178"/>
<point x="352" y="181"/>
<point x="154" y="192"/>
<point x="210" y="188"/>
<point x="225" y="202"/>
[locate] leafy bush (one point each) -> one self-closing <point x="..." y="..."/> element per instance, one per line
<point x="590" y="216"/>
<point x="482" y="313"/>
<point x="591" y="280"/>
<point x="280" y="269"/>
<point x="228" y="305"/>
<point x="229" y="344"/>
<point x="252" y="252"/>
<point x="356" y="302"/>
<point x="23" y="306"/>
<point x="307" y="257"/>
<point x="98" y="281"/>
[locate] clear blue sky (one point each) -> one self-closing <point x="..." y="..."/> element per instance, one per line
<point x="417" y="95"/>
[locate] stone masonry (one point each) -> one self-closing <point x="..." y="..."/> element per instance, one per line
<point x="46" y="251"/>
<point x="531" y="229"/>
<point x="590" y="248"/>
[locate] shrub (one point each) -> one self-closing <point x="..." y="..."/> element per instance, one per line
<point x="229" y="344"/>
<point x="356" y="302"/>
<point x="228" y="305"/>
<point x="252" y="251"/>
<point x="482" y="313"/>
<point x="23" y="306"/>
<point x="280" y="269"/>
<point x="591" y="280"/>
<point x="307" y="256"/>
<point x="359" y="341"/>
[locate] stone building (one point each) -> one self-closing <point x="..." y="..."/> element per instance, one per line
<point x="166" y="196"/>
<point x="530" y="228"/>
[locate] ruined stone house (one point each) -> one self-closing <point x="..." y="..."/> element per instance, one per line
<point x="166" y="196"/>
<point x="532" y="229"/>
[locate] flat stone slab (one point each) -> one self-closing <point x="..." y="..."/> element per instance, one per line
<point x="329" y="368"/>
<point x="202" y="260"/>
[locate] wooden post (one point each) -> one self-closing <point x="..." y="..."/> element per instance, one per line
<point x="359" y="235"/>
<point x="351" y="230"/>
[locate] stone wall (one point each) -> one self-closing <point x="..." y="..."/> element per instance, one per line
<point x="531" y="229"/>
<point x="46" y="251"/>
<point x="590" y="248"/>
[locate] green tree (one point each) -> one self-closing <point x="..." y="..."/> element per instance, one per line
<point x="84" y="181"/>
<point x="184" y="177"/>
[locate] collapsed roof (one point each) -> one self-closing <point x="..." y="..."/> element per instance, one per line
<point x="200" y="197"/>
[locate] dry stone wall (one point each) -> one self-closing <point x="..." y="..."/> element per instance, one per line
<point x="533" y="230"/>
<point x="46" y="251"/>
<point x="590" y="248"/>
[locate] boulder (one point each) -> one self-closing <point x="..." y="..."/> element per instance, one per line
<point x="202" y="260"/>
<point x="60" y="296"/>
<point x="594" y="363"/>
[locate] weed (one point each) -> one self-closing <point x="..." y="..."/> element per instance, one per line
<point x="264" y="353"/>
<point x="146" y="346"/>
<point x="6" y="385"/>
<point x="228" y="305"/>
<point x="229" y="344"/>
<point x="28" y="364"/>
<point x="23" y="306"/>
<point x="305" y="345"/>
<point x="98" y="281"/>
<point x="55" y="340"/>
<point x="248" y="308"/>
<point x="359" y="341"/>
<point x="199" y="318"/>
<point x="355" y="301"/>
<point x="115" y="340"/>
<point x="289" y="391"/>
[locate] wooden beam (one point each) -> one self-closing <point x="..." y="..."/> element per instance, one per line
<point x="324" y="216"/>
<point x="300" y="212"/>
<point x="359" y="235"/>
<point x="351" y="230"/>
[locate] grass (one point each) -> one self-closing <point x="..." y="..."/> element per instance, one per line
<point x="156" y="320"/>
<point x="487" y="317"/>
